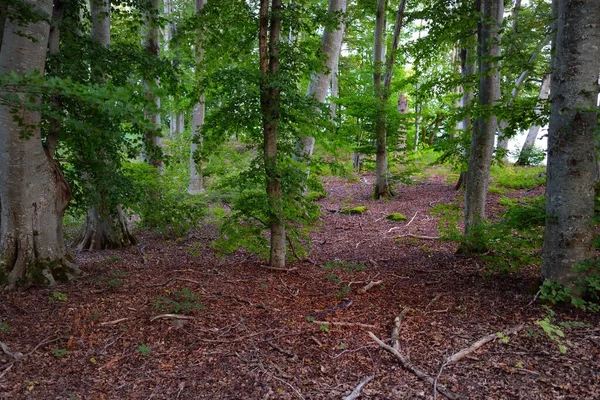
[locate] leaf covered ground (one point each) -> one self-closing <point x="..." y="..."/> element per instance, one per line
<point x="236" y="330"/>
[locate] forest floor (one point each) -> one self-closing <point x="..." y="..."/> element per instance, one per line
<point x="246" y="332"/>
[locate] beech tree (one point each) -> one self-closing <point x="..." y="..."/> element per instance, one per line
<point x="532" y="134"/>
<point x="198" y="115"/>
<point x="106" y="225"/>
<point x="270" y="98"/>
<point x="33" y="191"/>
<point x="571" y="160"/>
<point x="482" y="140"/>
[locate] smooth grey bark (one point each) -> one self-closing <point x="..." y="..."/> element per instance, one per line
<point x="33" y="191"/>
<point x="106" y="227"/>
<point x="320" y="81"/>
<point x="152" y="46"/>
<point x="382" y="89"/>
<point x="529" y="143"/>
<point x="198" y="115"/>
<point x="482" y="140"/>
<point x="467" y="67"/>
<point x="2" y="21"/>
<point x="53" y="50"/>
<point x="100" y="11"/>
<point x="270" y="98"/>
<point x="568" y="238"/>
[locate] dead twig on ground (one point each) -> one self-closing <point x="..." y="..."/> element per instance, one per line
<point x="170" y="316"/>
<point x="481" y="342"/>
<point x="292" y="387"/>
<point x="341" y="323"/>
<point x="116" y="321"/>
<point x="419" y="236"/>
<point x="356" y="392"/>
<point x="435" y="298"/>
<point x="14" y="354"/>
<point x="411" y="220"/>
<point x="175" y="279"/>
<point x="396" y="331"/>
<point x="410" y="368"/>
<point x="368" y="287"/>
<point x="293" y="356"/>
<point x="8" y="366"/>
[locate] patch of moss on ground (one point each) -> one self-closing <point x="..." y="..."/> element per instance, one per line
<point x="396" y="217"/>
<point x="354" y="210"/>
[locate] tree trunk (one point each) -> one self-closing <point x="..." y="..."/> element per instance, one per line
<point x="106" y="227"/>
<point x="571" y="161"/>
<point x="270" y="103"/>
<point x="467" y="67"/>
<point x="2" y="22"/>
<point x="319" y="85"/>
<point x="482" y="141"/>
<point x="534" y="130"/>
<point x="152" y="45"/>
<point x="382" y="188"/>
<point x="196" y="178"/>
<point x="33" y="191"/>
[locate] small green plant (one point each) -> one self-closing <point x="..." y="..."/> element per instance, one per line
<point x="325" y="328"/>
<point x="143" y="349"/>
<point x="57" y="296"/>
<point x="553" y="331"/>
<point x="333" y="278"/>
<point x="60" y="353"/>
<point x="310" y="318"/>
<point x="344" y="291"/>
<point x="5" y="327"/>
<point x="184" y="300"/>
<point x="344" y="266"/>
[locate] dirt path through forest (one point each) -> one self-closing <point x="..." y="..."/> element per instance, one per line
<point x="251" y="333"/>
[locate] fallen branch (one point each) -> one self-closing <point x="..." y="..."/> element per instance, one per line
<point x="419" y="236"/>
<point x="435" y="298"/>
<point x="396" y="330"/>
<point x="171" y="316"/>
<point x="293" y="356"/>
<point x="14" y="354"/>
<point x="368" y="287"/>
<point x="356" y="392"/>
<point x="410" y="368"/>
<point x="175" y="279"/>
<point x="411" y="220"/>
<point x="480" y="343"/>
<point x="116" y="321"/>
<point x="344" y="324"/>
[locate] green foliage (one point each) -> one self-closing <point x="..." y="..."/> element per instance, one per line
<point x="250" y="210"/>
<point x="507" y="245"/>
<point x="143" y="349"/>
<point x="343" y="266"/>
<point x="324" y="328"/>
<point x="5" y="327"/>
<point x="533" y="156"/>
<point x="344" y="291"/>
<point x="60" y="353"/>
<point x="585" y="292"/>
<point x="57" y="296"/>
<point x="518" y="177"/>
<point x="162" y="202"/>
<point x="553" y="331"/>
<point x="184" y="300"/>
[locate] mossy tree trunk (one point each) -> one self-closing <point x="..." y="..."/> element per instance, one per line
<point x="33" y="191"/>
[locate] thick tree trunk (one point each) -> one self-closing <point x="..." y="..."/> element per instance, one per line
<point x="2" y="21"/>
<point x="534" y="130"/>
<point x="196" y="178"/>
<point x="33" y="191"/>
<point x="571" y="161"/>
<point x="270" y="104"/>
<point x="482" y="141"/>
<point x="319" y="85"/>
